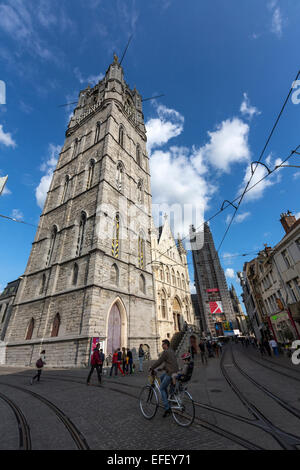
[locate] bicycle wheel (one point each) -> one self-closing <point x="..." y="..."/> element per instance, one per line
<point x="184" y="411"/>
<point x="148" y="402"/>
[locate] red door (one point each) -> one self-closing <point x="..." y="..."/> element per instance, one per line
<point x="114" y="330"/>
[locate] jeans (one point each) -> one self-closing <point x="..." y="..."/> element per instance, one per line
<point x="97" y="367"/>
<point x="141" y="363"/>
<point x="275" y="349"/>
<point x="38" y="375"/>
<point x="165" y="381"/>
<point x="114" y="366"/>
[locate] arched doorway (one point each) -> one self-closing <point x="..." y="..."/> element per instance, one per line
<point x="113" y="330"/>
<point x="176" y="314"/>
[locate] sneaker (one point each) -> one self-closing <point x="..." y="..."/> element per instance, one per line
<point x="166" y="413"/>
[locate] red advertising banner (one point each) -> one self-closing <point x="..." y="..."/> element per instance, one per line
<point x="212" y="290"/>
<point x="215" y="307"/>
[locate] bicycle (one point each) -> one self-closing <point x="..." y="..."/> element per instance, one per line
<point x="181" y="402"/>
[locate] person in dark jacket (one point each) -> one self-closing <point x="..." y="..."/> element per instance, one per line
<point x="129" y="355"/>
<point x="102" y="358"/>
<point x="39" y="365"/>
<point x="95" y="364"/>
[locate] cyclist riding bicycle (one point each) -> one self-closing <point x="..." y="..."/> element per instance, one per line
<point x="184" y="374"/>
<point x="169" y="359"/>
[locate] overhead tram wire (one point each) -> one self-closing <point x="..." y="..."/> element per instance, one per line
<point x="258" y="161"/>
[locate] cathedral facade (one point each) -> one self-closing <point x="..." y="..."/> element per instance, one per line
<point x="171" y="282"/>
<point x="89" y="274"/>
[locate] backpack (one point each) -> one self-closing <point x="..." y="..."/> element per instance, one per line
<point x="39" y="363"/>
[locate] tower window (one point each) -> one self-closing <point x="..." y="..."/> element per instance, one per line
<point x="142" y="284"/>
<point x="138" y="155"/>
<point x="141" y="251"/>
<point x="43" y="284"/>
<point x="75" y="274"/>
<point x="56" y="325"/>
<point x="65" y="191"/>
<point x="75" y="148"/>
<point x="81" y="234"/>
<point x="163" y="304"/>
<point x="119" y="176"/>
<point x="114" y="275"/>
<point x="121" y="136"/>
<point x="30" y="329"/>
<point x="116" y="235"/>
<point x="91" y="174"/>
<point x="140" y="195"/>
<point x="97" y="133"/>
<point x="52" y="245"/>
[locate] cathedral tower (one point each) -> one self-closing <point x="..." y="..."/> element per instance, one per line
<point x="89" y="273"/>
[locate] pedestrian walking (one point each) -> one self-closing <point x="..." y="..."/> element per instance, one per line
<point x="39" y="365"/>
<point x="203" y="352"/>
<point x="95" y="364"/>
<point x="193" y="346"/>
<point x="120" y="361"/>
<point x="130" y="360"/>
<point x="267" y="347"/>
<point x="220" y="347"/>
<point x="114" y="365"/>
<point x="124" y="359"/>
<point x="274" y="346"/>
<point x="141" y="357"/>
<point x="261" y="348"/>
<point x="102" y="359"/>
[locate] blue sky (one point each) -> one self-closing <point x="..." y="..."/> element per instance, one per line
<point x="225" y="69"/>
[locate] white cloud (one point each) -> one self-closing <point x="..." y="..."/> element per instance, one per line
<point x="48" y="167"/>
<point x="230" y="273"/>
<point x="6" y="138"/>
<point x="6" y="191"/>
<point x="297" y="215"/>
<point x="228" y="144"/>
<point x="246" y="108"/>
<point x="296" y="175"/>
<point x="167" y="125"/>
<point x="91" y="79"/>
<point x="277" y="22"/>
<point x="192" y="288"/>
<point x="238" y="219"/>
<point x="17" y="214"/>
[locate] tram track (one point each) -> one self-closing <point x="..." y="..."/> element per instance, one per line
<point x="23" y="427"/>
<point x="76" y="435"/>
<point x="286" y="440"/>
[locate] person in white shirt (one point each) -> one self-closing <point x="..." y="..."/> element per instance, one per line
<point x="274" y="346"/>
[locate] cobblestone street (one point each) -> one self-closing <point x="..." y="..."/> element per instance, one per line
<point x="242" y="401"/>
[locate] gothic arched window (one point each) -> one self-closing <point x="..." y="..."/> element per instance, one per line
<point x="81" y="233"/>
<point x="140" y="195"/>
<point x="183" y="281"/>
<point x="114" y="275"/>
<point x="142" y="284"/>
<point x="141" y="251"/>
<point x="75" y="148"/>
<point x="65" y="190"/>
<point x="75" y="274"/>
<point x="43" y="283"/>
<point x="121" y="136"/>
<point x="56" y="325"/>
<point x="91" y="174"/>
<point x="116" y="237"/>
<point x="168" y="275"/>
<point x="30" y="329"/>
<point x="52" y="245"/>
<point x="138" y="155"/>
<point x="97" y="133"/>
<point x="119" y="176"/>
<point x="163" y="304"/>
<point x="178" y="279"/>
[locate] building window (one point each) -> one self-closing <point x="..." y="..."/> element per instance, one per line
<point x="286" y="258"/>
<point x="141" y="251"/>
<point x="119" y="176"/>
<point x="97" y="133"/>
<point x="138" y="155"/>
<point x="91" y="174"/>
<point x="30" y="329"/>
<point x="4" y="313"/>
<point x="140" y="196"/>
<point x="52" y="245"/>
<point x="121" y="136"/>
<point x="142" y="284"/>
<point x="178" y="279"/>
<point x="173" y="278"/>
<point x="56" y="325"/>
<point x="65" y="190"/>
<point x="75" y="148"/>
<point x="168" y="275"/>
<point x="114" y="275"/>
<point x="81" y="234"/>
<point x="163" y="304"/>
<point x="116" y="236"/>
<point x="75" y="274"/>
<point x="43" y="283"/>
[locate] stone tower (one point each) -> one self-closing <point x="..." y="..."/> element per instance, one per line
<point x="89" y="274"/>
